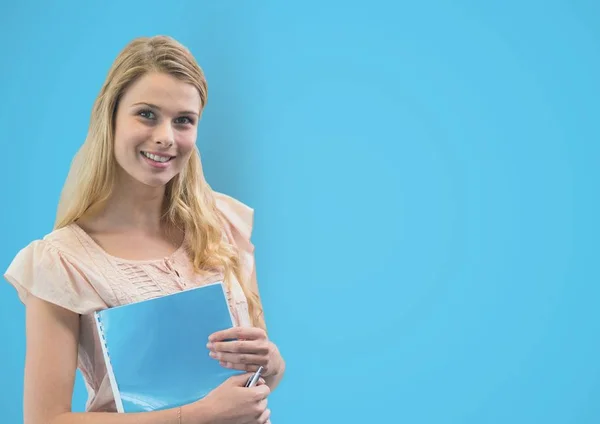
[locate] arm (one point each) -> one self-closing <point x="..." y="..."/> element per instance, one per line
<point x="273" y="379"/>
<point x="50" y="365"/>
<point x="251" y="349"/>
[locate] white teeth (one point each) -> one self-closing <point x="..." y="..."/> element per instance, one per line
<point x="156" y="158"/>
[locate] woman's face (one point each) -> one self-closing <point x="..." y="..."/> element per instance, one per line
<point x="155" y="128"/>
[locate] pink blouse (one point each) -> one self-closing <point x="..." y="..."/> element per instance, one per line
<point x="68" y="268"/>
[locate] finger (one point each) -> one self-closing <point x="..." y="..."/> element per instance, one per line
<point x="245" y="333"/>
<point x="240" y="358"/>
<point x="261" y="392"/>
<point x="264" y="418"/>
<point x="241" y="346"/>
<point x="240" y="380"/>
<point x="241" y="367"/>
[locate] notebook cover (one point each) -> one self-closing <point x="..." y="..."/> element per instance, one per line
<point x="155" y="350"/>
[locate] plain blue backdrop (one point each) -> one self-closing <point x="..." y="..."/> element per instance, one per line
<point x="425" y="179"/>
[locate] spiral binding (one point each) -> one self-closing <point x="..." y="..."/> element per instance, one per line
<point x="111" y="376"/>
<point x="101" y="333"/>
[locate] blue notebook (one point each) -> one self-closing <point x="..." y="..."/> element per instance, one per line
<point x="155" y="350"/>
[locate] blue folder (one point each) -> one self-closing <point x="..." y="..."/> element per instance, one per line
<point x="155" y="350"/>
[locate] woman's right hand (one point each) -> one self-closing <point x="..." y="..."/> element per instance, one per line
<point x="233" y="403"/>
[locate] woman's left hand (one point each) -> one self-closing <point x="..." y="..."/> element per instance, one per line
<point x="250" y="350"/>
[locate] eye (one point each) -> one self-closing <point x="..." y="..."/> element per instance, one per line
<point x="148" y="114"/>
<point x="184" y="120"/>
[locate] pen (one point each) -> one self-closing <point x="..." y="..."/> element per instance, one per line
<point x="254" y="379"/>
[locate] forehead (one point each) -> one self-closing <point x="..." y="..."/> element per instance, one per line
<point x="164" y="91"/>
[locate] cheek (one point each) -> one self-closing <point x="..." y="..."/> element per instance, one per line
<point x="126" y="140"/>
<point x="186" y="143"/>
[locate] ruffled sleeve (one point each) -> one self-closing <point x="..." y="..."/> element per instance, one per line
<point x="239" y="222"/>
<point x="43" y="271"/>
<point x="238" y="219"/>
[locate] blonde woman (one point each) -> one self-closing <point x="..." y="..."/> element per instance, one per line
<point x="137" y="220"/>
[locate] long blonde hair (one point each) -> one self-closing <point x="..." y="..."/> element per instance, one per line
<point x="189" y="200"/>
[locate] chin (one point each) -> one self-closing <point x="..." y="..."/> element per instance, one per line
<point x="155" y="182"/>
<point x="148" y="179"/>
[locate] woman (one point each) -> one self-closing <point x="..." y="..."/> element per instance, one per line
<point x="137" y="220"/>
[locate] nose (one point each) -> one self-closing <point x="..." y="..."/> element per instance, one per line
<point x="163" y="136"/>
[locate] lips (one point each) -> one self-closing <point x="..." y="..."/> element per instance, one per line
<point x="157" y="161"/>
<point x="158" y="158"/>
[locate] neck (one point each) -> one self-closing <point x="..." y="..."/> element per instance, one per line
<point x="133" y="205"/>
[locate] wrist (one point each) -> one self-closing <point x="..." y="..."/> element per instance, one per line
<point x="196" y="413"/>
<point x="279" y="363"/>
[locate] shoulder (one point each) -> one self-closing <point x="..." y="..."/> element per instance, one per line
<point x="239" y="217"/>
<point x="51" y="268"/>
<point x="239" y="221"/>
<point x="66" y="240"/>
<point x="59" y="242"/>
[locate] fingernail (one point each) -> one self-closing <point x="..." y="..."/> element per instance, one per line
<point x="212" y="354"/>
<point x="209" y="345"/>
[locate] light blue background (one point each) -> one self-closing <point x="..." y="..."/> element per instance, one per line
<point x="425" y="179"/>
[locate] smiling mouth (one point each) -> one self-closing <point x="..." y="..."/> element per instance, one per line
<point x="157" y="158"/>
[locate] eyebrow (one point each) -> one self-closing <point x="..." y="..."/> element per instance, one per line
<point x="184" y="112"/>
